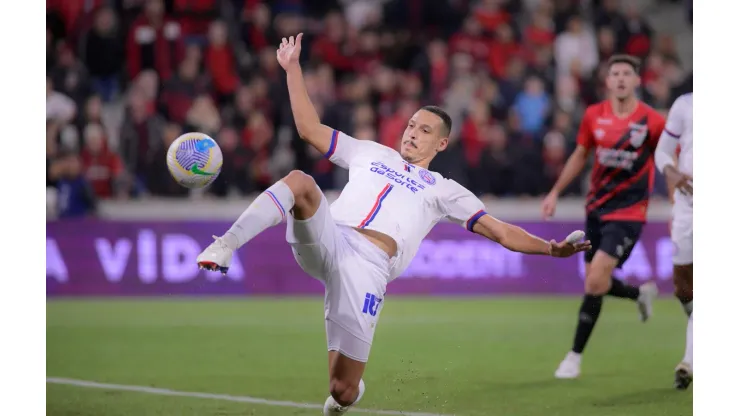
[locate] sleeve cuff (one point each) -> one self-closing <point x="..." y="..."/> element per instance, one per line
<point x="674" y="135"/>
<point x="332" y="145"/>
<point x="471" y="222"/>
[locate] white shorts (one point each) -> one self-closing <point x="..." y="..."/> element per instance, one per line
<point x="355" y="273"/>
<point x="682" y="230"/>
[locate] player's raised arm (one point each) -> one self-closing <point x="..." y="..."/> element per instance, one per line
<point x="338" y="147"/>
<point x="307" y="120"/>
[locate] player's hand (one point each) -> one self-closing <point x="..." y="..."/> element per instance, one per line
<point x="570" y="246"/>
<point x="677" y="180"/>
<point x="549" y="204"/>
<point x="289" y="51"/>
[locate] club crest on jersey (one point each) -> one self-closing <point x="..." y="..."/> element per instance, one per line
<point x="599" y="134"/>
<point x="638" y="134"/>
<point x="427" y="177"/>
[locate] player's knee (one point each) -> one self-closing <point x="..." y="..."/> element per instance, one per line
<point x="303" y="187"/>
<point x="597" y="285"/>
<point x="343" y="391"/>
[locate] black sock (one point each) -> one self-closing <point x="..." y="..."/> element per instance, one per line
<point x="621" y="290"/>
<point x="589" y="313"/>
<point x="688" y="305"/>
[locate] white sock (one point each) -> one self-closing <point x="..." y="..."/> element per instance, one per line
<point x="331" y="404"/>
<point x="362" y="391"/>
<point x="267" y="210"/>
<point x="688" y="356"/>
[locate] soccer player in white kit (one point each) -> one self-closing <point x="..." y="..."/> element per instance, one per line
<point x="369" y="235"/>
<point x="679" y="131"/>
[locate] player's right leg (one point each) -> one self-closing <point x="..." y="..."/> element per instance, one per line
<point x="683" y="284"/>
<point x="612" y="244"/>
<point x="297" y="192"/>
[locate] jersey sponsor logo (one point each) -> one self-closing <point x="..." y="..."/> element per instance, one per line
<point x="604" y="121"/>
<point x="427" y="177"/>
<point x="638" y="134"/>
<point x="371" y="305"/>
<point x="398" y="177"/>
<point x="616" y="158"/>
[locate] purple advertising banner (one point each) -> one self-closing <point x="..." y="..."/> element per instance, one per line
<point x="104" y="258"/>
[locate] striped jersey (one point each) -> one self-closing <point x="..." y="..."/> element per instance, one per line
<point x="391" y="196"/>
<point x="624" y="167"/>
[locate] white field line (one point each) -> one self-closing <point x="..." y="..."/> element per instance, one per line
<point x="223" y="397"/>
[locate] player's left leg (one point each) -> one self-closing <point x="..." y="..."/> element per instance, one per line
<point x="355" y="292"/>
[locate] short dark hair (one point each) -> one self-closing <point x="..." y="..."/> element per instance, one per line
<point x="630" y="60"/>
<point x="446" y="119"/>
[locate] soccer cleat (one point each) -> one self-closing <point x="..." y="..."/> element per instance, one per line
<point x="684" y="376"/>
<point x="216" y="257"/>
<point x="332" y="408"/>
<point x="570" y="367"/>
<point x="648" y="293"/>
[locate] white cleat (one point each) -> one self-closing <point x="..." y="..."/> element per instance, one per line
<point x="332" y="408"/>
<point x="216" y="257"/>
<point x="570" y="367"/>
<point x="648" y="293"/>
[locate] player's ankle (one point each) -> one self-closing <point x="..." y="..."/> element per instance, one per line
<point x="345" y="394"/>
<point x="231" y="240"/>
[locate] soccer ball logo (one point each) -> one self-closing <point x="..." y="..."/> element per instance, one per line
<point x="194" y="160"/>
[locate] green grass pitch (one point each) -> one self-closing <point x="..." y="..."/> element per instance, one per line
<point x="461" y="356"/>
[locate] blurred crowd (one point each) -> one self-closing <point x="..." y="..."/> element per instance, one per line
<point x="127" y="77"/>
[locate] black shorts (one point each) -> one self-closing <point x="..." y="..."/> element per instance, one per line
<point x="615" y="238"/>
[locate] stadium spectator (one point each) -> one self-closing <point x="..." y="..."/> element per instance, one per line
<point x="503" y="49"/>
<point x="532" y="106"/>
<point x="179" y="93"/>
<point x="575" y="50"/>
<point x="470" y="40"/>
<point x="154" y="42"/>
<point x="141" y="135"/>
<point x="637" y="34"/>
<point x="195" y="16"/>
<point x="221" y="63"/>
<point x="75" y="196"/>
<point x="59" y="107"/>
<point x="70" y="76"/>
<point x="103" y="54"/>
<point x="102" y="168"/>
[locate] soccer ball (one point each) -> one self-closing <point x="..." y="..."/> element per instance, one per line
<point x="194" y="160"/>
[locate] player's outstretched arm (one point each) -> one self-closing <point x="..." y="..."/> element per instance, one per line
<point x="306" y="119"/>
<point x="517" y="239"/>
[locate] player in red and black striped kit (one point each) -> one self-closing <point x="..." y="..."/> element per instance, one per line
<point x="623" y="133"/>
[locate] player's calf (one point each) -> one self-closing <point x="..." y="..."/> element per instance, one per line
<point x="683" y="286"/>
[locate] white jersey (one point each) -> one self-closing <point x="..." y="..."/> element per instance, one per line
<point x="389" y="195"/>
<point x="679" y="131"/>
